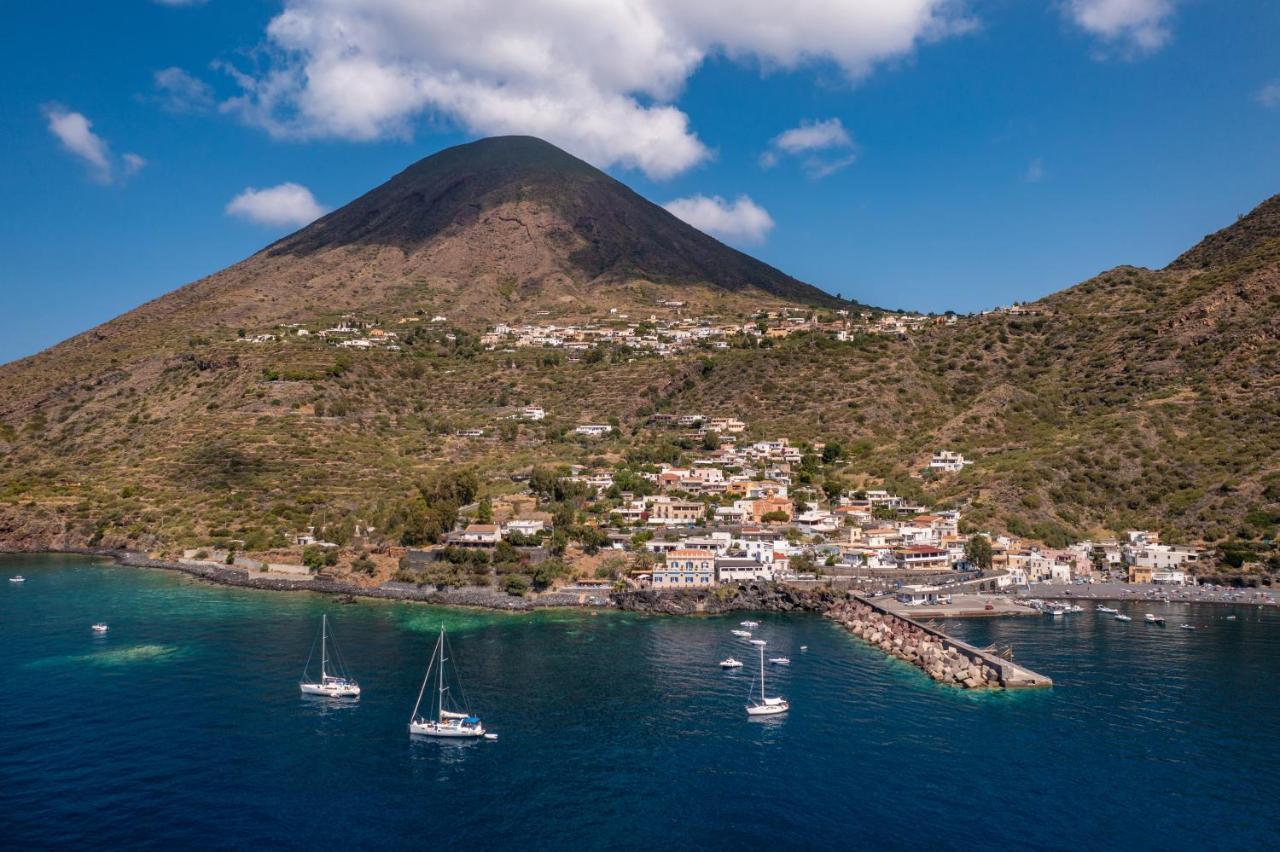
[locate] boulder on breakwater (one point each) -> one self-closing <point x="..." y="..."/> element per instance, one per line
<point x="943" y="661"/>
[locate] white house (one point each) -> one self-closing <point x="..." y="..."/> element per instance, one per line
<point x="593" y="430"/>
<point x="946" y="461"/>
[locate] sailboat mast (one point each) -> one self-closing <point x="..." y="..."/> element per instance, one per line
<point x="440" y="676"/>
<point x="324" y="644"/>
<point x="422" y="691"/>
<point x="761" y="674"/>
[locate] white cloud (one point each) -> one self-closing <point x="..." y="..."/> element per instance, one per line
<point x="180" y="2"/>
<point x="598" y="78"/>
<point x="1034" y="172"/>
<point x="75" y="132"/>
<point x="285" y="204"/>
<point x="740" y="219"/>
<point x="813" y="136"/>
<point x="826" y="147"/>
<point x="1137" y="26"/>
<point x="132" y="163"/>
<point x="178" y="91"/>
<point x="1269" y="95"/>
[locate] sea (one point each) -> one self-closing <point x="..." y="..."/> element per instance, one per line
<point x="183" y="728"/>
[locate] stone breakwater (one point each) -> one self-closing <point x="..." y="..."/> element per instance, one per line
<point x="944" y="659"/>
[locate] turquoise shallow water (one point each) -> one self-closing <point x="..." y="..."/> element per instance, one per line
<point x="183" y="728"/>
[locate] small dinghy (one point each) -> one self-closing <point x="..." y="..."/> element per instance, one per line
<point x="741" y="634"/>
<point x="1186" y="627"/>
<point x="750" y="625"/>
<point x="730" y="663"/>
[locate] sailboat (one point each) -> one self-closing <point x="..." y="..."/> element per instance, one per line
<point x="335" y="684"/>
<point x="766" y="706"/>
<point x="443" y="718"/>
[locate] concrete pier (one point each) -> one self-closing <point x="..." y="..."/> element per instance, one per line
<point x="943" y="658"/>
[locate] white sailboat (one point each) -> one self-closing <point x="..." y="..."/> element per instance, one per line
<point x="333" y="685"/>
<point x="766" y="706"/>
<point x="443" y="718"/>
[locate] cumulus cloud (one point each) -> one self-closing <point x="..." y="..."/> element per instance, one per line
<point x="1269" y="95"/>
<point x="178" y="91"/>
<point x="75" y="132"/>
<point x="741" y="219"/>
<point x="284" y="204"/>
<point x="598" y="78"/>
<point x="825" y="147"/>
<point x="1135" y="26"/>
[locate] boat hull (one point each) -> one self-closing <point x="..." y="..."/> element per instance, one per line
<point x="345" y="691"/>
<point x="767" y="709"/>
<point x="456" y="732"/>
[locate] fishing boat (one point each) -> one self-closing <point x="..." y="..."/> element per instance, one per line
<point x="1151" y="618"/>
<point x="333" y="681"/>
<point x="17" y="578"/>
<point x="780" y="661"/>
<point x="444" y="717"/>
<point x="750" y="625"/>
<point x="99" y="628"/>
<point x="765" y="706"/>
<point x="741" y="634"/>
<point x="1120" y="616"/>
<point x="730" y="663"/>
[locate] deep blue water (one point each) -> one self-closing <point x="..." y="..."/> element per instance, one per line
<point x="183" y="728"/>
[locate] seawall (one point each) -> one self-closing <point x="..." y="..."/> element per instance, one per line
<point x="943" y="658"/>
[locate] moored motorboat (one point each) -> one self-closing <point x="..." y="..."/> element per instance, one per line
<point x="759" y="643"/>
<point x="1104" y="608"/>
<point x="1186" y="627"/>
<point x="741" y="634"/>
<point x="334" y="681"/>
<point x="1120" y="616"/>
<point x="750" y="625"/>
<point x="1152" y="618"/>
<point x="780" y="661"/>
<point x="17" y="578"/>
<point x="99" y="628"/>
<point x="730" y="663"/>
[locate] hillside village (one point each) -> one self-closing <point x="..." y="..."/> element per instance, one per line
<point x="729" y="511"/>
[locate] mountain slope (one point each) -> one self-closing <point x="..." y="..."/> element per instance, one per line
<point x="1138" y="398"/>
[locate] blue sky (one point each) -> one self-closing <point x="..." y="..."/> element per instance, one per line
<point x="943" y="155"/>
